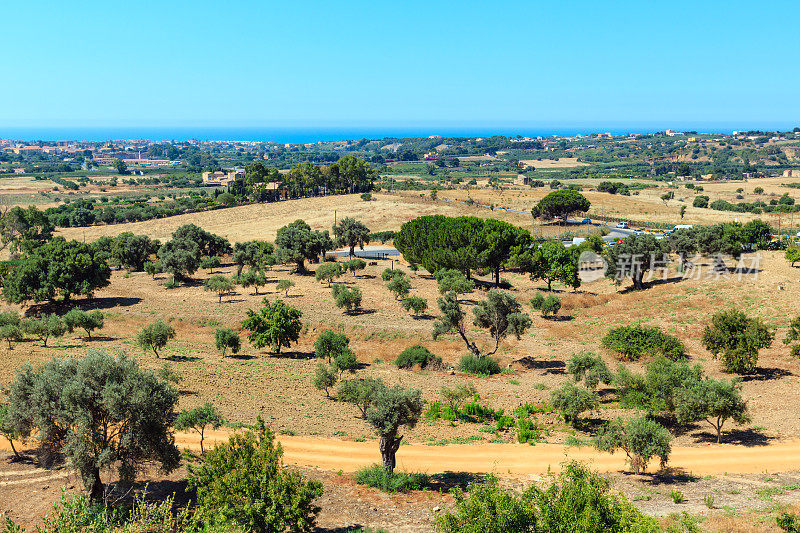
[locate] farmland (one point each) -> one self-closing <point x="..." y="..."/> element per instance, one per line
<point x="279" y="388"/>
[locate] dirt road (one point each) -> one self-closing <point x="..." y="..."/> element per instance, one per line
<point x="515" y="459"/>
<point x="519" y="459"/>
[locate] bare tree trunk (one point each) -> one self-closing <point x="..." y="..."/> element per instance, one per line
<point x="96" y="488"/>
<point x="389" y="445"/>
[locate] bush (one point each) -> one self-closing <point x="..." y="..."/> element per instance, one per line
<point x="655" y="391"/>
<point x="346" y="298"/>
<point x="354" y="265"/>
<point x="537" y="301"/>
<point x="243" y="482"/>
<point x="632" y="342"/>
<point x="480" y="366"/>
<point x="416" y="355"/>
<point x="415" y="304"/>
<point x="576" y="500"/>
<point x="390" y="273"/>
<point x="378" y="477"/>
<point x="570" y="401"/>
<point x="550" y="305"/>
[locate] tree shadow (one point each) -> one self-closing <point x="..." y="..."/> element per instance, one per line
<point x="360" y="312"/>
<point x="293" y="355"/>
<point x="183" y="392"/>
<point x="423" y="316"/>
<point x="61" y="307"/>
<point x="552" y="367"/>
<point x="240" y="356"/>
<point x="744" y="437"/>
<point x="559" y="318"/>
<point x="669" y="476"/>
<point x="182" y="358"/>
<point x="103" y="338"/>
<point x="766" y="374"/>
<point x="156" y="491"/>
<point x="448" y="481"/>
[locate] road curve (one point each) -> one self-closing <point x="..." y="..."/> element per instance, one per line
<point x="515" y="459"/>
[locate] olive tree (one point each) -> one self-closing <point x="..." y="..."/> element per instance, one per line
<point x="571" y="400"/>
<point x="500" y="313"/>
<point x="738" y="338"/>
<point x="45" y="327"/>
<point x="99" y="411"/>
<point x="219" y="284"/>
<point x="392" y="408"/>
<point x="155" y="336"/>
<point x="327" y="272"/>
<point x="8" y="430"/>
<point x="329" y="344"/>
<point x="712" y="401"/>
<point x="641" y="439"/>
<point x="198" y="419"/>
<point x="77" y="318"/>
<point x="793" y="335"/>
<point x="590" y="368"/>
<point x="634" y="256"/>
<point x="226" y="339"/>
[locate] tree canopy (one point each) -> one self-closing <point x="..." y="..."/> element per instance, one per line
<point x="561" y="204"/>
<point x="275" y="325"/>
<point x="100" y="411"/>
<point x="298" y="243"/>
<point x="350" y="232"/>
<point x="56" y="267"/>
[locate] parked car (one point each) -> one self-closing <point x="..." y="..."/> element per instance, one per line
<point x="622" y="225"/>
<point x="638" y="231"/>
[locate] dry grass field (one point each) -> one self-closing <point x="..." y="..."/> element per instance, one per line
<point x="279" y="388"/>
<point x="545" y="164"/>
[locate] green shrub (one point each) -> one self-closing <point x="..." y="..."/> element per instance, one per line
<point x="389" y="273"/>
<point x="633" y="342"/>
<point x="415" y="304"/>
<point x="537" y="301"/>
<point x="677" y="496"/>
<point x="416" y="355"/>
<point x="550" y="306"/>
<point x="347" y="298"/>
<point x="243" y="482"/>
<point x="789" y="522"/>
<point x="738" y="338"/>
<point x="641" y="439"/>
<point x="570" y="401"/>
<point x="590" y="368"/>
<point x="480" y="366"/>
<point x="576" y="500"/>
<point x="378" y="477"/>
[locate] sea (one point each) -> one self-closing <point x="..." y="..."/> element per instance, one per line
<point x="297" y="135"/>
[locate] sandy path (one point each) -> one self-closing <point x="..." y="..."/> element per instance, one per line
<point x="517" y="459"/>
<point x="520" y="459"/>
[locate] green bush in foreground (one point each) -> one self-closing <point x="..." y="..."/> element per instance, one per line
<point x="576" y="500"/>
<point x="243" y="482"/>
<point x="380" y="478"/>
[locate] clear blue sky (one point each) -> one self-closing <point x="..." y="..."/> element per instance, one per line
<point x="373" y="63"/>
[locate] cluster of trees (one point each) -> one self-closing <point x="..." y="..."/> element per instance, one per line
<point x="182" y="255"/>
<point x="465" y="244"/>
<point x="349" y="174"/>
<point x="784" y="204"/>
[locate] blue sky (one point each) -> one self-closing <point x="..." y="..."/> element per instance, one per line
<point x="304" y="64"/>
